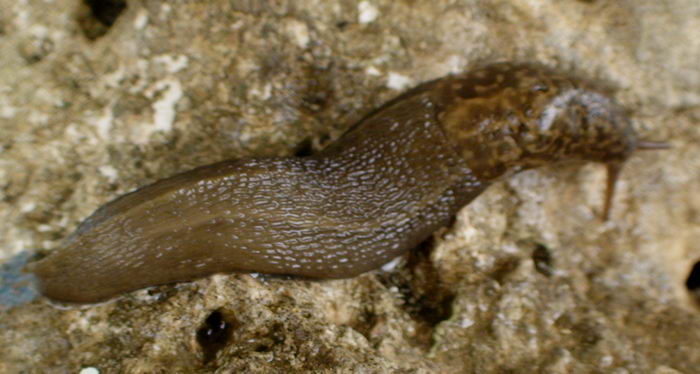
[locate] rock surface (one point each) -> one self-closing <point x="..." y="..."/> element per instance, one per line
<point x="97" y="101"/>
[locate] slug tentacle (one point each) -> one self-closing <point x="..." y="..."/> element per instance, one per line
<point x="614" y="169"/>
<point x="382" y="188"/>
<point x="644" y="145"/>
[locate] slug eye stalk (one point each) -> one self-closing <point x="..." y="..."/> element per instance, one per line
<point x="648" y="145"/>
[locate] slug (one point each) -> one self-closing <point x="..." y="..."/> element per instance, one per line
<point x="382" y="188"/>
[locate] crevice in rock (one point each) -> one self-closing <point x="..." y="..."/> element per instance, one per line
<point x="692" y="283"/>
<point x="503" y="268"/>
<point x="542" y="258"/>
<point x="214" y="333"/>
<point x="425" y="297"/>
<point x="304" y="148"/>
<point x="96" y="17"/>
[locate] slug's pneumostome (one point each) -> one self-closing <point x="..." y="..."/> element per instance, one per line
<point x="378" y="191"/>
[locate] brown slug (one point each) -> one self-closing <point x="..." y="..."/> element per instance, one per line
<point x="382" y="188"/>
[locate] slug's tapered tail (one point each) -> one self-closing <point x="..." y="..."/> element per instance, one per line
<point x="384" y="187"/>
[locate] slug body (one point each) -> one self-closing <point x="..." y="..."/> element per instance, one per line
<point x="381" y="189"/>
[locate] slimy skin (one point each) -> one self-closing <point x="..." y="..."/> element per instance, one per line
<point x="381" y="189"/>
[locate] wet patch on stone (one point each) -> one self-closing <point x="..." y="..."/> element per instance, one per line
<point x="16" y="287"/>
<point x="542" y="258"/>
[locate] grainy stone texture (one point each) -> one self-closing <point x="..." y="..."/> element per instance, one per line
<point x="527" y="279"/>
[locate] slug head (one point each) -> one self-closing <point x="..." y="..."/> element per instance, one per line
<point x="505" y="118"/>
<point x="586" y="125"/>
